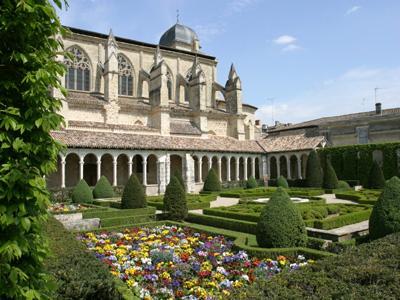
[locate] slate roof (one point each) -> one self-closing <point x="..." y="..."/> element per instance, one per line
<point x="291" y="143"/>
<point x="113" y="140"/>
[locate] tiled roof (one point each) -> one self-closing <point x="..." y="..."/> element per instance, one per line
<point x="95" y="139"/>
<point x="184" y="127"/>
<point x="291" y="143"/>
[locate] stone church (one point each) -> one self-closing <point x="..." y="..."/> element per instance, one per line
<point x="153" y="110"/>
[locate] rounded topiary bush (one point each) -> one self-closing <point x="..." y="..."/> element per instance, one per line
<point x="385" y="216"/>
<point x="343" y="185"/>
<point x="314" y="175"/>
<point x="82" y="193"/>
<point x="175" y="201"/>
<point x="281" y="224"/>
<point x="330" y="178"/>
<point x="251" y="183"/>
<point x="282" y="182"/>
<point x="133" y="195"/>
<point x="212" y="183"/>
<point x="103" y="189"/>
<point x="376" y="180"/>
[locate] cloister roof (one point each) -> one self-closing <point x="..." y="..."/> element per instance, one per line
<point x="108" y="140"/>
<point x="291" y="143"/>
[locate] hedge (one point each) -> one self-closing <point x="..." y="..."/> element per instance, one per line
<point x="232" y="215"/>
<point x="359" y="197"/>
<point x="126" y="220"/>
<point x="118" y="213"/>
<point x="354" y="162"/>
<point x="343" y="220"/>
<point x="266" y="192"/>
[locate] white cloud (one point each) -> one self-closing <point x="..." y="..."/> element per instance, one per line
<point x="350" y="92"/>
<point x="291" y="47"/>
<point x="285" y="40"/>
<point x="208" y="32"/>
<point x="236" y="6"/>
<point x="352" y="10"/>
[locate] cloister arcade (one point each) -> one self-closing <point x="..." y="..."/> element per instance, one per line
<point x="289" y="165"/>
<point x="153" y="168"/>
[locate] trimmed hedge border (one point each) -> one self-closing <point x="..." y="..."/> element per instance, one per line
<point x="126" y="220"/>
<point x="359" y="198"/>
<point x="92" y="208"/>
<point x="343" y="220"/>
<point x="119" y="213"/>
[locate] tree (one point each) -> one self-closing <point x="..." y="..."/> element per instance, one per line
<point x="133" y="195"/>
<point x="330" y="178"/>
<point x="103" y="188"/>
<point x="251" y="183"/>
<point x="376" y="180"/>
<point x="178" y="176"/>
<point x="385" y="216"/>
<point x="28" y="112"/>
<point x="82" y="193"/>
<point x="314" y="175"/>
<point x="212" y="183"/>
<point x="282" y="182"/>
<point x="281" y="224"/>
<point x="175" y="201"/>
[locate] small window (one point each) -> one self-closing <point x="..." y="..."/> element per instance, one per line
<point x="125" y="77"/>
<point x="78" y="70"/>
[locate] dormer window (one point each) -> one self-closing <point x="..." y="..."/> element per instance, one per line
<point x="77" y="76"/>
<point x="125" y="77"/>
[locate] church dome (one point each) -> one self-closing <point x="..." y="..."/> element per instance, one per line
<point x="178" y="34"/>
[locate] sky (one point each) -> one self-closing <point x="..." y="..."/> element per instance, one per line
<point x="298" y="60"/>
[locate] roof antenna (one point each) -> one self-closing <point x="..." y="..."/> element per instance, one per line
<point x="177" y="16"/>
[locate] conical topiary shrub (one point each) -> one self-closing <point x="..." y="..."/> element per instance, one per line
<point x="175" y="201"/>
<point x="133" y="195"/>
<point x="281" y="224"/>
<point x="103" y="189"/>
<point x="251" y="183"/>
<point x="212" y="183"/>
<point x="343" y="185"/>
<point x="376" y="180"/>
<point x="385" y="216"/>
<point x="178" y="176"/>
<point x="282" y="182"/>
<point x="82" y="193"/>
<point x="330" y="179"/>
<point x="314" y="176"/>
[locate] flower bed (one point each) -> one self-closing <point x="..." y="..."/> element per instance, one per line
<point x="66" y="208"/>
<point x="169" y="261"/>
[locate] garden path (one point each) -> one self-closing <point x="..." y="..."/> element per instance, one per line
<point x="331" y="199"/>
<point x="220" y="201"/>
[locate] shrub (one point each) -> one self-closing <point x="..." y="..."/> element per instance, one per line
<point x="82" y="193"/>
<point x="103" y="189"/>
<point x="375" y="178"/>
<point x="212" y="182"/>
<point x="343" y="185"/>
<point x="282" y="182"/>
<point x="251" y="183"/>
<point x="175" y="201"/>
<point x="385" y="216"/>
<point x="314" y="175"/>
<point x="281" y="224"/>
<point x="330" y="178"/>
<point x="178" y="176"/>
<point x="133" y="195"/>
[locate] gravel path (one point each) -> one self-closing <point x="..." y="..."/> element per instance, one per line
<point x="331" y="199"/>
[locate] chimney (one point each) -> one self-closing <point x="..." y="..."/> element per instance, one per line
<point x="378" y="108"/>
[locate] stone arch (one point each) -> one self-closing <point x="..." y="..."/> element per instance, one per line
<point x="257" y="166"/>
<point x="107" y="161"/>
<point x="241" y="168"/>
<point x="143" y="89"/>
<point x="182" y="89"/>
<point x="126" y="76"/>
<point x="176" y="165"/>
<point x="138" y="123"/>
<point x="273" y="166"/>
<point x="283" y="164"/>
<point x="303" y="164"/>
<point x="196" y="168"/>
<point x="90" y="169"/>
<point x="122" y="169"/>
<point x="152" y="169"/>
<point x="204" y="168"/>
<point x="53" y="180"/>
<point x="224" y="166"/>
<point x="79" y="68"/>
<point x="294" y="172"/>
<point x="249" y="167"/>
<point x="71" y="169"/>
<point x="137" y="166"/>
<point x="377" y="156"/>
<point x="233" y="168"/>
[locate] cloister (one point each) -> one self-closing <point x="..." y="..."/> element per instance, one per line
<point x="291" y="165"/>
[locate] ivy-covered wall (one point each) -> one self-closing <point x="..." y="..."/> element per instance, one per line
<point x="354" y="162"/>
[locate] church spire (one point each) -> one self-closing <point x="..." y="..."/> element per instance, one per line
<point x="111" y="39"/>
<point x="232" y="72"/>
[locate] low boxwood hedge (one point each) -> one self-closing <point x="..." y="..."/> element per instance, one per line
<point x="343" y="220"/>
<point x="126" y="220"/>
<point x="118" y="213"/>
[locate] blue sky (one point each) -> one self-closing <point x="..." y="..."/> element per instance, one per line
<point x="314" y="58"/>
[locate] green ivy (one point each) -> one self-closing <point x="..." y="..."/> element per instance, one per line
<point x="28" y="69"/>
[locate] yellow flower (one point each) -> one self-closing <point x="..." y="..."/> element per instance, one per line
<point x="237" y="284"/>
<point x="130" y="282"/>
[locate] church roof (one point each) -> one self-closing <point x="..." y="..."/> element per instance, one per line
<point x="113" y="140"/>
<point x="178" y="33"/>
<point x="291" y="143"/>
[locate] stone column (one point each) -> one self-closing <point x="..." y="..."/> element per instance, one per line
<point x="161" y="174"/>
<point x="268" y="167"/>
<point x="228" y="169"/>
<point x="167" y="169"/>
<point x="219" y="169"/>
<point x="130" y="165"/>
<point x="237" y="168"/>
<point x="289" y="175"/>
<point x="253" y="167"/>
<point x="144" y="163"/>
<point x="114" y="171"/>
<point x="245" y="161"/>
<point x="209" y="163"/>
<point x="81" y="163"/>
<point x="278" y="167"/>
<point x="189" y="173"/>
<point x="299" y="167"/>
<point x="63" y="171"/>
<point x="199" y="169"/>
<point x="98" y="167"/>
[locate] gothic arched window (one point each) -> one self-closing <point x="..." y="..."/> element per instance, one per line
<point x="169" y="85"/>
<point x="125" y="77"/>
<point x="78" y="70"/>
